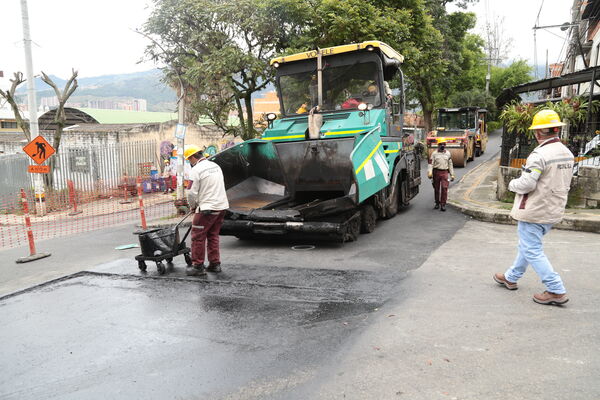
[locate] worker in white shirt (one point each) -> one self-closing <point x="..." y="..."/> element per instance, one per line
<point x="209" y="199"/>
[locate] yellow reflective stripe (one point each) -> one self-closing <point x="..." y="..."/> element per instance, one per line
<point x="391" y="151"/>
<point x="283" y="137"/>
<point x="361" y="166"/>
<point x="536" y="170"/>
<point x="342" y="132"/>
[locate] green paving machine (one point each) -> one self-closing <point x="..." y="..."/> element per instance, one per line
<point x="336" y="159"/>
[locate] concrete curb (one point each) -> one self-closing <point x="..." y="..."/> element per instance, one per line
<point x="479" y="210"/>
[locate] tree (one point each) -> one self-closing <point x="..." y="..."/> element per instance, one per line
<point x="220" y="50"/>
<point x="60" y="118"/>
<point x="498" y="43"/>
<point x="516" y="73"/>
<point x="9" y="96"/>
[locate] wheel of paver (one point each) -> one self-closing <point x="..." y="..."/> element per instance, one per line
<point x="352" y="230"/>
<point x="392" y="208"/>
<point x="188" y="258"/>
<point x="142" y="265"/>
<point x="169" y="260"/>
<point x="161" y="268"/>
<point x="368" y="218"/>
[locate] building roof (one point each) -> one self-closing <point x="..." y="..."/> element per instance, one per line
<point x="7" y="113"/>
<point x="128" y="117"/>
<point x="346" y="48"/>
<point x="573" y="78"/>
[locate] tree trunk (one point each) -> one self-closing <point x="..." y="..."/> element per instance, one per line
<point x="426" y="100"/>
<point x="249" y="131"/>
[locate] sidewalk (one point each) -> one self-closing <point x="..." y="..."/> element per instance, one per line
<point x="475" y="195"/>
<point x="453" y="333"/>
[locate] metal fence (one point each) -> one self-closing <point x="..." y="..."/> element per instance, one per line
<point x="583" y="140"/>
<point x="89" y="167"/>
<point x="13" y="174"/>
<point x="91" y="188"/>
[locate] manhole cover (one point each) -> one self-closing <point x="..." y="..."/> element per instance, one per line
<point x="303" y="247"/>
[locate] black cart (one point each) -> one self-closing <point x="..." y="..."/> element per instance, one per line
<point x="160" y="244"/>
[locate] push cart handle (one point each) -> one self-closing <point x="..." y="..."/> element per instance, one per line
<point x="184" y="218"/>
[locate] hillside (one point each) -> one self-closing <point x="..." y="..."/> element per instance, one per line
<point x="140" y="85"/>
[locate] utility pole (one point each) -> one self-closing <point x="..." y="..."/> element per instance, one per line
<point x="32" y="100"/>
<point x="180" y="141"/>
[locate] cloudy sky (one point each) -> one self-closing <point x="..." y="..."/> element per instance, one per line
<point x="97" y="37"/>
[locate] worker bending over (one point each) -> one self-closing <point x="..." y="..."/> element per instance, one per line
<point x="207" y="196"/>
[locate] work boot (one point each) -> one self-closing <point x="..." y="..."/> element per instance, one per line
<point x="195" y="270"/>
<point x="549" y="298"/>
<point x="214" y="267"/>
<point x="437" y="205"/>
<point x="443" y="207"/>
<point x="499" y="278"/>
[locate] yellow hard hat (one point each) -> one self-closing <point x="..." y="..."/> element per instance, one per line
<point x="441" y="140"/>
<point x="190" y="150"/>
<point x="546" y="119"/>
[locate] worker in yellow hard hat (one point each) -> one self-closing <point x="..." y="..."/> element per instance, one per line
<point x="208" y="198"/>
<point x="540" y="198"/>
<point x="440" y="166"/>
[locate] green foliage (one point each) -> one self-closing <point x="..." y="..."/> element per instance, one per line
<point x="517" y="117"/>
<point x="220" y="51"/>
<point x="516" y="73"/>
<point x="474" y="97"/>
<point x="573" y="110"/>
<point x="494" y="125"/>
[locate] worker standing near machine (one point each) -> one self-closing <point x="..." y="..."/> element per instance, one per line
<point x="207" y="196"/>
<point x="440" y="166"/>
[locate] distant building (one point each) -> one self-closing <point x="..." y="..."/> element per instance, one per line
<point x="269" y="103"/>
<point x="47" y="103"/>
<point x="8" y="123"/>
<point x="125" y="105"/>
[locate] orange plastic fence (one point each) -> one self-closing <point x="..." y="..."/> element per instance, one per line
<point x="71" y="211"/>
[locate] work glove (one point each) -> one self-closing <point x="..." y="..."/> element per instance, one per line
<point x="429" y="174"/>
<point x="452" y="177"/>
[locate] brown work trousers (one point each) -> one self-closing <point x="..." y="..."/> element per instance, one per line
<point x="440" y="186"/>
<point x="205" y="234"/>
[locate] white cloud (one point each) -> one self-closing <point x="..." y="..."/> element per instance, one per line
<point x="519" y="19"/>
<point x="94" y="37"/>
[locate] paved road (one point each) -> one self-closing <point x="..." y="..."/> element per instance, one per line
<point x="262" y="329"/>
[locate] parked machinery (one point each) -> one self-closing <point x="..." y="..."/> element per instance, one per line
<point x="464" y="130"/>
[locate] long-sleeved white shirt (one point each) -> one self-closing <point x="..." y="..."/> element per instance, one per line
<point x="208" y="187"/>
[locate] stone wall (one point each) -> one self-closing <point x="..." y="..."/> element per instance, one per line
<point x="585" y="190"/>
<point x="584" y="193"/>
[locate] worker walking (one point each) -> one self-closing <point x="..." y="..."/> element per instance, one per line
<point x="209" y="199"/>
<point x="170" y="176"/>
<point x="440" y="166"/>
<point x="541" y="196"/>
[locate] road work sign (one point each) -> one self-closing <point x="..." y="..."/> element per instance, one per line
<point x="38" y="169"/>
<point x="39" y="149"/>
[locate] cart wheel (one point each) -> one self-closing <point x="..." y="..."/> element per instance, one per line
<point x="169" y="260"/>
<point x="142" y="265"/>
<point x="188" y="259"/>
<point x="161" y="268"/>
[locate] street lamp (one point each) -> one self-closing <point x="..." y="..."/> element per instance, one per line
<point x="563" y="27"/>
